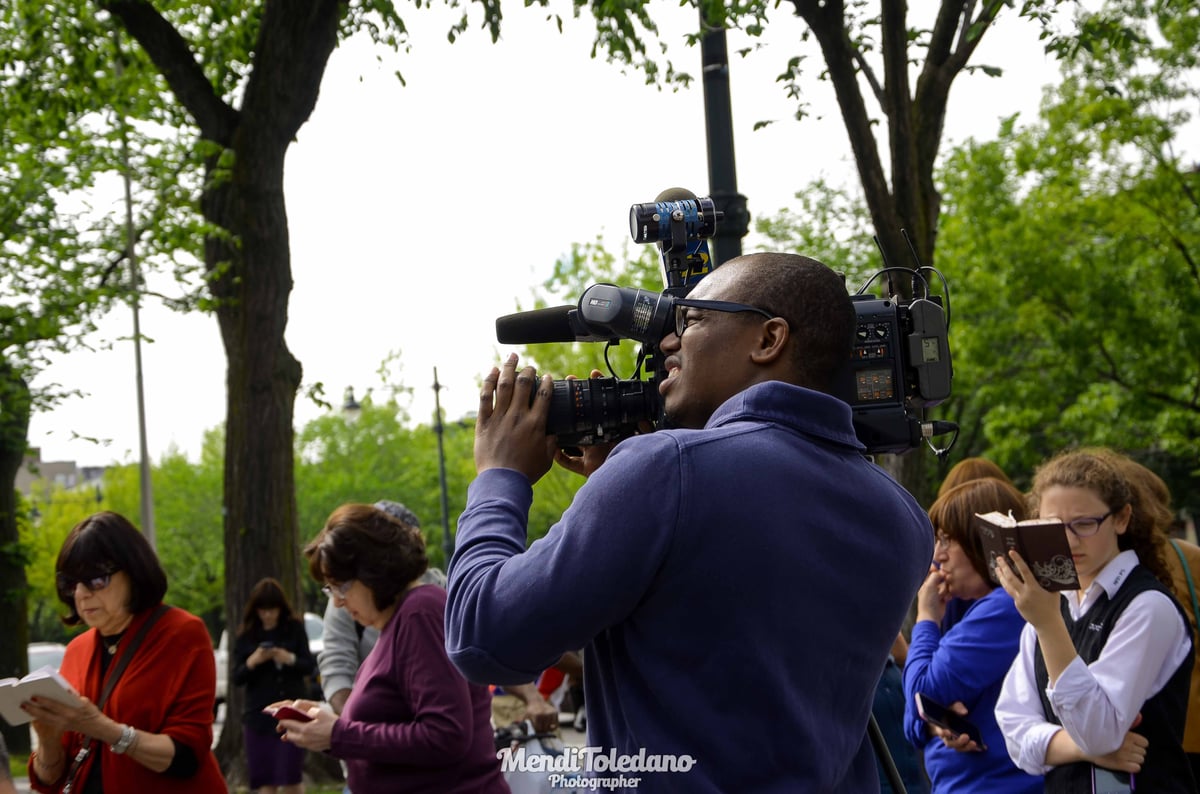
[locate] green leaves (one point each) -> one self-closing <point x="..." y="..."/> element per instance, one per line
<point x="1072" y="244"/>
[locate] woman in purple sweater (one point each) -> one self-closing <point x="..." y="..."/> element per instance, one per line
<point x="412" y="723"/>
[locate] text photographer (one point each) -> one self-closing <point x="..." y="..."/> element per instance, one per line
<point x="736" y="580"/>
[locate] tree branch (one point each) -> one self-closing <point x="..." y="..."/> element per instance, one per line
<point x="897" y="105"/>
<point x="826" y="19"/>
<point x="1113" y="374"/>
<point x="295" y="40"/>
<point x="868" y="73"/>
<point x="933" y="90"/>
<point x="169" y="51"/>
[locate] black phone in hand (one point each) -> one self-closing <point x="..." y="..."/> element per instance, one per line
<point x="936" y="714"/>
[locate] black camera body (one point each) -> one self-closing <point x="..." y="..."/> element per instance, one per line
<point x="900" y="363"/>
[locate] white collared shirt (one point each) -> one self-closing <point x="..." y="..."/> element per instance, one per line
<point x="1097" y="703"/>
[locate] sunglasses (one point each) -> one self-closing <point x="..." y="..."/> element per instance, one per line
<point x="67" y="584"/>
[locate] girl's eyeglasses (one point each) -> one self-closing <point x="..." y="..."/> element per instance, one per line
<point x="1088" y="525"/>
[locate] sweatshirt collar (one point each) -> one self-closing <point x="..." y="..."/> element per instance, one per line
<point x="806" y="411"/>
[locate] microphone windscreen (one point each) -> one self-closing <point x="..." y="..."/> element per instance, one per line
<point x="536" y="326"/>
<point x="675" y="194"/>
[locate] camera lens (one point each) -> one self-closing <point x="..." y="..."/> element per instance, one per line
<point x="595" y="410"/>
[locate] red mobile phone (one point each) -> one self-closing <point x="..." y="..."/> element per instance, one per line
<point x="936" y="714"/>
<point x="289" y="713"/>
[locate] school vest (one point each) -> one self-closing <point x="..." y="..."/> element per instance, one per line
<point x="1166" y="768"/>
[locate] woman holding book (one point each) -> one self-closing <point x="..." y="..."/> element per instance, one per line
<point x="1101" y="682"/>
<point x="145" y="672"/>
<point x="960" y="661"/>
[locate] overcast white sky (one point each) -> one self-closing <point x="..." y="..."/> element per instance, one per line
<point x="420" y="213"/>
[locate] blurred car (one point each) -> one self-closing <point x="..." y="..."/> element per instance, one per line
<point x="221" y="655"/>
<point x="45" y="654"/>
<point x="314" y="627"/>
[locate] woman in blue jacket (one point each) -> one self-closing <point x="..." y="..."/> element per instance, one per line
<point x="963" y="664"/>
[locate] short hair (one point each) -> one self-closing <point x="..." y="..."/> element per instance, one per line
<point x="972" y="469"/>
<point x="363" y="542"/>
<point x="812" y="298"/>
<point x="267" y="593"/>
<point x="107" y="542"/>
<point x="1113" y="478"/>
<point x="953" y="513"/>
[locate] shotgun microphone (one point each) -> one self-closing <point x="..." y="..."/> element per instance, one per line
<point x="555" y="324"/>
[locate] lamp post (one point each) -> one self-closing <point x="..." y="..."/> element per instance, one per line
<point x="718" y="125"/>
<point x="447" y="540"/>
<point x="147" y="495"/>
<point x="351" y="408"/>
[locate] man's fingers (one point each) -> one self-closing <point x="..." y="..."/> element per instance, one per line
<point x="527" y="381"/>
<point x="487" y="396"/>
<point x="505" y="383"/>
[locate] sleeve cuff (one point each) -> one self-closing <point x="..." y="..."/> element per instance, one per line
<point x="335" y="683"/>
<point x="1037" y="743"/>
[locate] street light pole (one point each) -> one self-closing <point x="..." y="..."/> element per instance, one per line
<point x="147" y="495"/>
<point x="718" y="125"/>
<point x="351" y="408"/>
<point x="447" y="540"/>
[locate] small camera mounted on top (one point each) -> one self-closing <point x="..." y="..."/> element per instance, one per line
<point x="900" y="364"/>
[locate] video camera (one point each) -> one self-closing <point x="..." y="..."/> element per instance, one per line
<point x="900" y="363"/>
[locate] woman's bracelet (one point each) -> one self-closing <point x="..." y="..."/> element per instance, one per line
<point x="128" y="737"/>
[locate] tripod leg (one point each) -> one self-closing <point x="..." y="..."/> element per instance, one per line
<point x="885" y="756"/>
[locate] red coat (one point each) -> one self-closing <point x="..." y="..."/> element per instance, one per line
<point x="169" y="687"/>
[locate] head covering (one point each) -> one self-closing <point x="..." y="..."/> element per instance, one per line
<point x="398" y="510"/>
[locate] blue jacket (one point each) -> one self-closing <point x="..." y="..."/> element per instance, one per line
<point x="736" y="590"/>
<point x="967" y="664"/>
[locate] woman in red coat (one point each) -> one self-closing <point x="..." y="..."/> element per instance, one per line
<point x="154" y="732"/>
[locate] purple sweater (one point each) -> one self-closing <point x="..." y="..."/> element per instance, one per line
<point x="412" y="722"/>
<point x="736" y="591"/>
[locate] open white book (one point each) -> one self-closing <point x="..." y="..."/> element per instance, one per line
<point x="44" y="682"/>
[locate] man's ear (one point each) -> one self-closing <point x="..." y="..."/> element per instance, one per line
<point x="772" y="340"/>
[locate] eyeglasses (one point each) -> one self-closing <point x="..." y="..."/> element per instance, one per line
<point x="682" y="304"/>
<point x="942" y="541"/>
<point x="66" y="584"/>
<point x="1087" y="526"/>
<point x="337" y="591"/>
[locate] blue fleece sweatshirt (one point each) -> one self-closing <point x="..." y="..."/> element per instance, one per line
<point x="967" y="664"/>
<point x="736" y="590"/>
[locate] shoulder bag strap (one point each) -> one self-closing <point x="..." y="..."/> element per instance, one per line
<point x="1191" y="587"/>
<point x="110" y="681"/>
<point x="115" y="671"/>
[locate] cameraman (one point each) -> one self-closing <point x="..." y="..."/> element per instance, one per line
<point x="737" y="582"/>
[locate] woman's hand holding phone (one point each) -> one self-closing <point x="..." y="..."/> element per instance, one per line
<point x="304" y="723"/>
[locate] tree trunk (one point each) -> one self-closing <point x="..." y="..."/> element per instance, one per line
<point x="14" y="623"/>
<point x="249" y="267"/>
<point x="910" y="203"/>
<point x="261" y="531"/>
